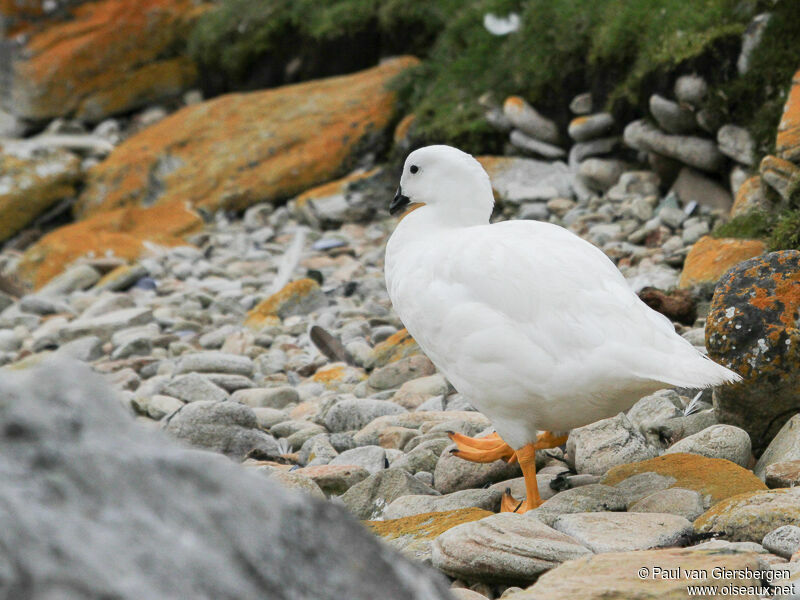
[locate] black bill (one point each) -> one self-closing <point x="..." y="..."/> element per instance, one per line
<point x="400" y="202"/>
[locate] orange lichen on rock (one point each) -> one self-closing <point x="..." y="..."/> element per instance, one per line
<point x="578" y="121"/>
<point x="750" y="196"/>
<point x="788" y="141"/>
<point x="426" y="526"/>
<point x="752" y="329"/>
<point x="297" y="297"/>
<point x="239" y="149"/>
<point x="111" y="56"/>
<point x="714" y="477"/>
<point x="773" y="295"/>
<point x="709" y="258"/>
<point x="333" y="373"/>
<point x="514" y="103"/>
<point x="396" y="346"/>
<point x="32" y="182"/>
<point x="120" y="233"/>
<point x="333" y="376"/>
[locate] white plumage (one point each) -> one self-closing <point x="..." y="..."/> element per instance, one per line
<point x="535" y="326"/>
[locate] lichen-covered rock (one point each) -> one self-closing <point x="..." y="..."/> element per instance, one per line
<point x="397" y="346"/>
<point x="339" y="376"/>
<point x="613" y="575"/>
<point x="751" y="196"/>
<point x="749" y="517"/>
<point x="413" y="535"/>
<point x="296" y="298"/>
<point x="752" y="329"/>
<point x="108" y="57"/>
<point x="709" y="259"/>
<point x="714" y="478"/>
<point x="788" y="141"/>
<point x="120" y="233"/>
<point x="227" y="153"/>
<point x="781" y="175"/>
<point x="31" y="181"/>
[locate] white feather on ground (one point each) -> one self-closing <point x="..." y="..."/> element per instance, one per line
<point x="534" y="325"/>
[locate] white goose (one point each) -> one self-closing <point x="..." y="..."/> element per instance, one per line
<point x="535" y="326"/>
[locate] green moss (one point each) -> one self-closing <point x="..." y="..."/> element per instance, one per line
<point x="753" y="225"/>
<point x="785" y="234"/>
<point x="780" y="232"/>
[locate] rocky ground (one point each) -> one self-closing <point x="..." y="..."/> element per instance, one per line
<point x="261" y="329"/>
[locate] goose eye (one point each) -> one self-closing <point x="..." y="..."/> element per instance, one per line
<point x="414" y="169"/>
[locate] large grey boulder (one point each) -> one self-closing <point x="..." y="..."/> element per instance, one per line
<point x="93" y="506"/>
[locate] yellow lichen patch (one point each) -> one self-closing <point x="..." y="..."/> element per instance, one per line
<point x="330" y="374"/>
<point x="110" y="54"/>
<point x="239" y="149"/>
<point x="119" y="233"/>
<point x="337" y="374"/>
<point x="514" y="103"/>
<point x="714" y="477"/>
<point x="426" y="526"/>
<point x="788" y="141"/>
<point x="396" y="346"/>
<point x="284" y="302"/>
<point x="33" y="183"/>
<point x="709" y="258"/>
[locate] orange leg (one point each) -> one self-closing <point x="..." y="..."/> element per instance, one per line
<point x="527" y="461"/>
<point x="483" y="450"/>
<point x="488" y="442"/>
